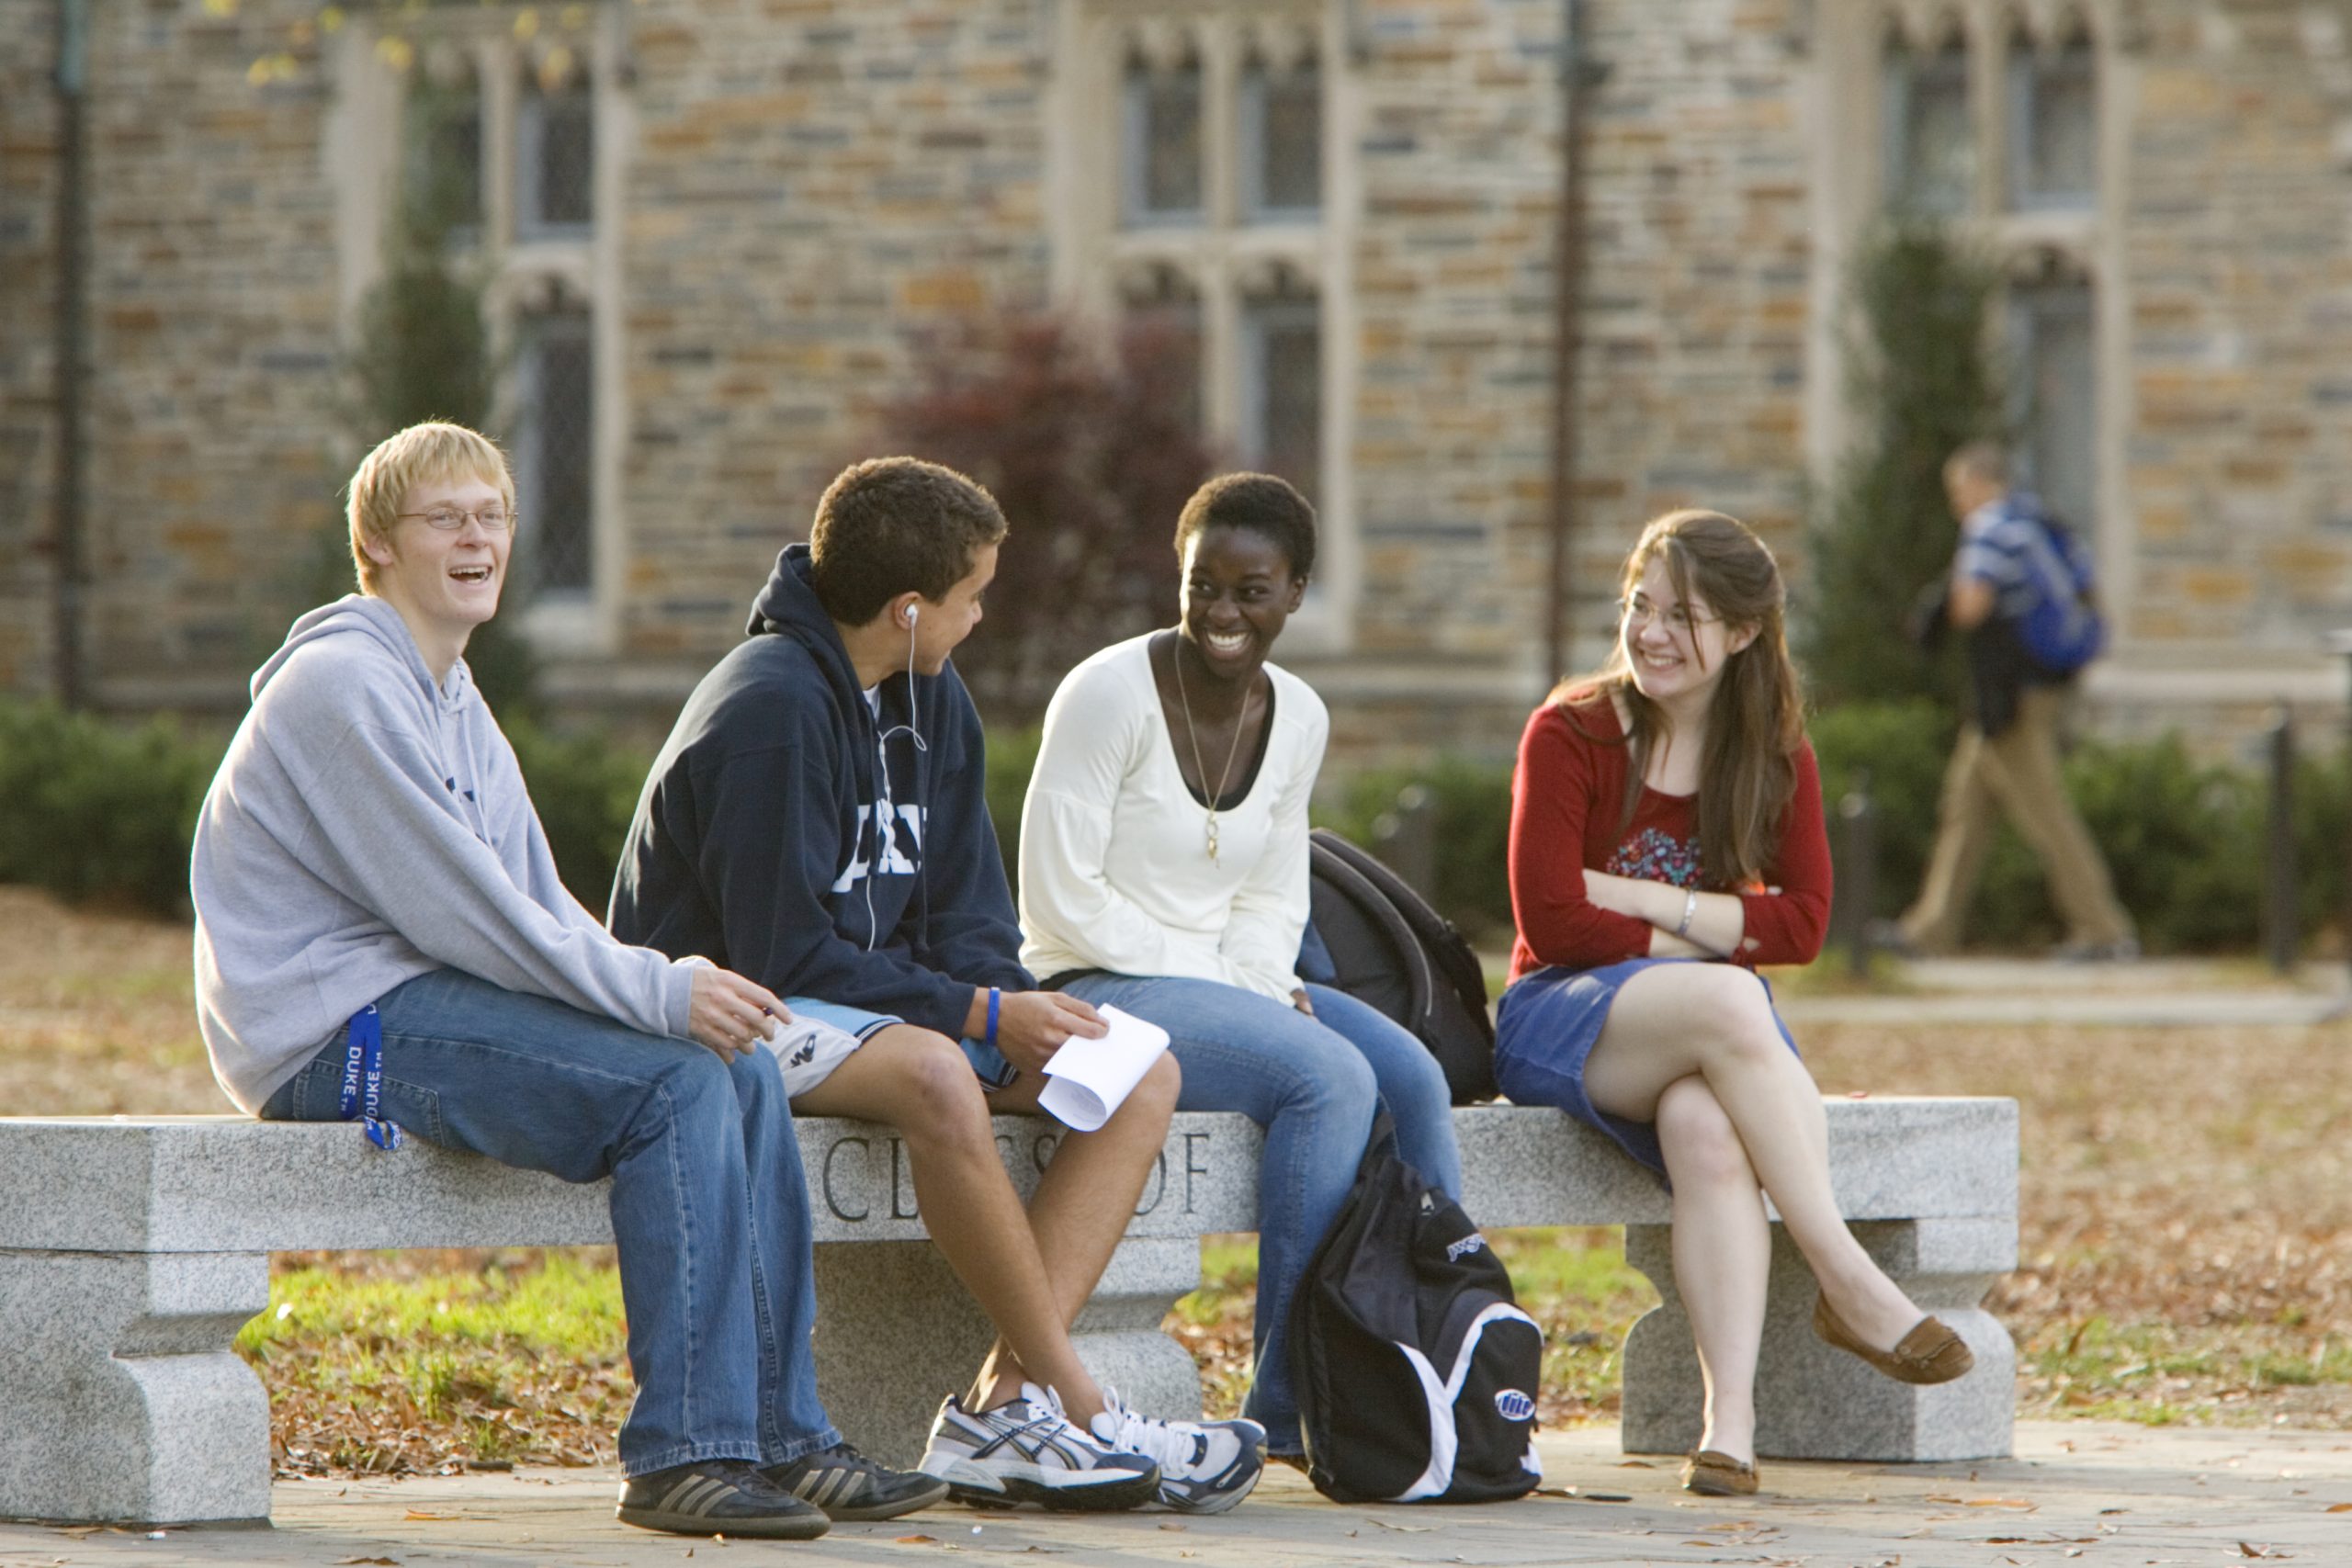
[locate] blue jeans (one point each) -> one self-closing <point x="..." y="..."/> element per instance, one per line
<point x="709" y="1212"/>
<point x="1313" y="1083"/>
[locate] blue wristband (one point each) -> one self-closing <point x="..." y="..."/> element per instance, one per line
<point x="995" y="997"/>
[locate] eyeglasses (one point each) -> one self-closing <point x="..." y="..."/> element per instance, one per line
<point x="1636" y="612"/>
<point x="494" y="518"/>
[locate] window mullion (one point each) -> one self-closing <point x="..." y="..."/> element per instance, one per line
<point x="496" y="66"/>
<point x="1987" y="36"/>
<point x="1220" y="111"/>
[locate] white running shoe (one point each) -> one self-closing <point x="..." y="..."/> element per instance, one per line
<point x="1028" y="1450"/>
<point x="1206" y="1467"/>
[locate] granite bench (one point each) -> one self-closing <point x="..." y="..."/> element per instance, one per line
<point x="132" y="1250"/>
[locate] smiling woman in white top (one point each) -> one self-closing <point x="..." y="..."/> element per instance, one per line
<point x="1164" y="871"/>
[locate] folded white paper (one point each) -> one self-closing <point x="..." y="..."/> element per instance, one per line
<point x="1088" y="1078"/>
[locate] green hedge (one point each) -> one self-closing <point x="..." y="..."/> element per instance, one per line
<point x="1471" y="800"/>
<point x="101" y="809"/>
<point x="585" y="788"/>
<point x="2186" y="840"/>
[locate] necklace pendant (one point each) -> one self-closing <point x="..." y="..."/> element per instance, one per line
<point x="1213" y="860"/>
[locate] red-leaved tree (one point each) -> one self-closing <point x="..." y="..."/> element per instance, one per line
<point x="1092" y="450"/>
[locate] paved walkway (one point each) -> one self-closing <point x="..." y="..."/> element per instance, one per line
<point x="2077" y="1493"/>
<point x="2153" y="992"/>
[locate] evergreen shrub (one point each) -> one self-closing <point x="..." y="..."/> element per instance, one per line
<point x="98" y="810"/>
<point x="585" y="789"/>
<point x="101" y="809"/>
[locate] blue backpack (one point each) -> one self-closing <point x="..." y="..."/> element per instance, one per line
<point x="2063" y="630"/>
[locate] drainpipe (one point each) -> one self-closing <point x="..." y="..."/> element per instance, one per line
<point x="1577" y="76"/>
<point x="73" y="292"/>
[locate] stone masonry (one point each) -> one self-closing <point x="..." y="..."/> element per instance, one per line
<point x="810" y="186"/>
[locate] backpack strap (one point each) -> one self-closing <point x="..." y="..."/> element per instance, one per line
<point x="1436" y="939"/>
<point x="1336" y="861"/>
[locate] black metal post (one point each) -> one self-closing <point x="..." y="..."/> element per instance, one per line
<point x="2341" y="643"/>
<point x="1858" y="873"/>
<point x="1578" y="75"/>
<point x="1407" y="835"/>
<point x="72" y="293"/>
<point x="2280" y="937"/>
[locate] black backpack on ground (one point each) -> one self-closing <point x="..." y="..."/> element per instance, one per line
<point x="1389" y="950"/>
<point x="1416" y="1370"/>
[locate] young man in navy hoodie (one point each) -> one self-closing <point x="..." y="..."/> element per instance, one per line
<point x="379" y="931"/>
<point x="817" y="820"/>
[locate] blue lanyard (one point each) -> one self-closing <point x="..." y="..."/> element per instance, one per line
<point x="363" y="1065"/>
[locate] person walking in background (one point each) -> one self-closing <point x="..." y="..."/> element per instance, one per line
<point x="1164" y="871"/>
<point x="377" y="905"/>
<point x="1666" y="837"/>
<point x="2021" y="591"/>
<point x="817" y="818"/>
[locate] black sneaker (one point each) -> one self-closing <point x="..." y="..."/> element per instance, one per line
<point x="719" y="1496"/>
<point x="848" y="1485"/>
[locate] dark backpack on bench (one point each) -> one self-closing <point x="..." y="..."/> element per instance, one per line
<point x="1390" y="951"/>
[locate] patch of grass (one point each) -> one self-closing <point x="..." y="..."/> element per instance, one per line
<point x="552" y="1302"/>
<point x="420" y="1361"/>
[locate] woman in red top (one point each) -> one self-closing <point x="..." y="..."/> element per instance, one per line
<point x="1666" y="837"/>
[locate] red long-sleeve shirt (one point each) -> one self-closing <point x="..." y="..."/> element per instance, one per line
<point x="1565" y="798"/>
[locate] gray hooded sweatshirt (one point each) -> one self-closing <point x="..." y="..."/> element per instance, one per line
<point x="368" y="826"/>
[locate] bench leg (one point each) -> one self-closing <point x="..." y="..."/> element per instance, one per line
<point x="1815" y="1403"/>
<point x="896" y="1333"/>
<point x="122" y="1401"/>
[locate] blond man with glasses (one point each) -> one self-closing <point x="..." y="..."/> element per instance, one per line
<point x="382" y="936"/>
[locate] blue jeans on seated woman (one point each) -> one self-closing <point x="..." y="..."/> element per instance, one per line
<point x="709" y="1209"/>
<point x="1313" y="1085"/>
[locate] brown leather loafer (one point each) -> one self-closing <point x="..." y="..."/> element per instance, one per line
<point x="1712" y="1473"/>
<point x="1929" y="1353"/>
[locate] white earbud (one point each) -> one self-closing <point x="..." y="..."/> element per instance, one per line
<point x="914" y="613"/>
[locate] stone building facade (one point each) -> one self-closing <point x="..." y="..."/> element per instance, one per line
<point x="712" y="232"/>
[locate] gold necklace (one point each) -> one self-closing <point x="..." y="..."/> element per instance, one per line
<point x="1176" y="657"/>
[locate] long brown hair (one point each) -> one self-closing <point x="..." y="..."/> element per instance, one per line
<point x="1756" y="720"/>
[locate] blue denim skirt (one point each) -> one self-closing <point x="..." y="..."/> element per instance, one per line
<point x="1546" y="1027"/>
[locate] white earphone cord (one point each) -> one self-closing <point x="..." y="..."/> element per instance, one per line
<point x="883" y="830"/>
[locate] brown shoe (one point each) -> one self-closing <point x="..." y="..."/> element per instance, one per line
<point x="1929" y="1353"/>
<point x="1712" y="1473"/>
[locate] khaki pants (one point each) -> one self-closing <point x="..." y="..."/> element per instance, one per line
<point x="2016" y="772"/>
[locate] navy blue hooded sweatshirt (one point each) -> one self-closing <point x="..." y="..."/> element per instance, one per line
<point x="774" y="838"/>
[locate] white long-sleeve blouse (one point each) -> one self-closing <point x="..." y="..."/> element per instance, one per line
<point x="1115" y="873"/>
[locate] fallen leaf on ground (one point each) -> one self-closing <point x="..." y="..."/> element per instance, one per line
<point x="2018" y="1503"/>
<point x="1405" y="1529"/>
<point x="918" y="1541"/>
<point x="2248" y="1548"/>
<point x="1172" y="1527"/>
<point x="2340" y="1508"/>
<point x="368" y="1561"/>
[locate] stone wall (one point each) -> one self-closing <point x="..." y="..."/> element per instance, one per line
<point x="814" y="186"/>
<point x="1694" y="299"/>
<point x="2241" y="335"/>
<point x="211" y="336"/>
<point x="214" y="322"/>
